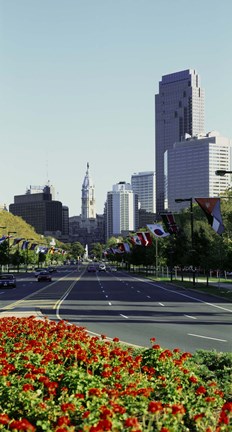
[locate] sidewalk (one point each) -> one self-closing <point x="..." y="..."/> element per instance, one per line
<point x="21" y="313"/>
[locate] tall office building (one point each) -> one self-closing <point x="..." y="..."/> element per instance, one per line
<point x="179" y="110"/>
<point x="121" y="210"/>
<point x="143" y="183"/>
<point x="88" y="210"/>
<point x="41" y="211"/>
<point x="190" y="169"/>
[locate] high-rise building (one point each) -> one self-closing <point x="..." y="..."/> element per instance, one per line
<point x="143" y="183"/>
<point x="121" y="210"/>
<point x="39" y="210"/>
<point x="190" y="167"/>
<point x="88" y="210"/>
<point x="87" y="228"/>
<point x="179" y="110"/>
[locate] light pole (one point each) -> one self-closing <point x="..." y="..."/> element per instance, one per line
<point x="8" y="247"/>
<point x="179" y="200"/>
<point x="1" y="264"/>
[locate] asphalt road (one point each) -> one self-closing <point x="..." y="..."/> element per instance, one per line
<point x="128" y="307"/>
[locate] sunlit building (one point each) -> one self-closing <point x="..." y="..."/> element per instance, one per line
<point x="179" y="110"/>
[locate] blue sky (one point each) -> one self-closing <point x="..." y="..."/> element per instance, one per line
<point x="77" y="85"/>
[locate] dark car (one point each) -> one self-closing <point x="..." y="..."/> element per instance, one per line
<point x="92" y="268"/>
<point x="7" y="280"/>
<point x="44" y="276"/>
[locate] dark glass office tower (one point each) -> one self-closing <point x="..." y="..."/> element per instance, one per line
<point x="179" y="110"/>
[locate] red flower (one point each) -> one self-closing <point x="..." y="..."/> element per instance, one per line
<point x="4" y="419"/>
<point x="116" y="339"/>
<point x="164" y="429"/>
<point x="68" y="407"/>
<point x="131" y="422"/>
<point x="198" y="416"/>
<point x="63" y="420"/>
<point x="227" y="407"/>
<point x="193" y="379"/>
<point x="178" y="409"/>
<point x="28" y="387"/>
<point x="155" y="407"/>
<point x="201" y="390"/>
<point x="156" y="346"/>
<point x="22" y="425"/>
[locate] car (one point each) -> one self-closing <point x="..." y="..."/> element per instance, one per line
<point x="113" y="269"/>
<point x="37" y="271"/>
<point x="91" y="268"/>
<point x="101" y="267"/>
<point x="52" y="269"/>
<point x="7" y="280"/>
<point x="44" y="276"/>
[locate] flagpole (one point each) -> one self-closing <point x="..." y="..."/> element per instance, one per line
<point x="156" y="257"/>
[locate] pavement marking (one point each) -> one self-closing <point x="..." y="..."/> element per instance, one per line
<point x="124" y="316"/>
<point x="138" y="291"/>
<point x="3" y="292"/>
<point x="110" y="303"/>
<point x="184" y="295"/>
<point x="161" y="304"/>
<point x="189" y="316"/>
<point x="148" y="297"/>
<point x="207" y="337"/>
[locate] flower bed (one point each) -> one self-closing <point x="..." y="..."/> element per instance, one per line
<point x="55" y="377"/>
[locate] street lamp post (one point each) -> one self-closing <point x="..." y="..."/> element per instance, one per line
<point x="8" y="247"/>
<point x="2" y="227"/>
<point x="179" y="200"/>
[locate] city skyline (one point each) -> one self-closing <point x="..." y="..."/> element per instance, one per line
<point x="78" y="82"/>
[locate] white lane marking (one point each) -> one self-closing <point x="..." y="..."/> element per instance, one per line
<point x="161" y="304"/>
<point x="148" y="297"/>
<point x="3" y="292"/>
<point x="189" y="316"/>
<point x="138" y="291"/>
<point x="110" y="304"/>
<point x="207" y="337"/>
<point x="124" y="316"/>
<point x="106" y="296"/>
<point x="184" y="295"/>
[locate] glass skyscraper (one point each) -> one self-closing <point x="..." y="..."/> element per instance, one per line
<point x="179" y="110"/>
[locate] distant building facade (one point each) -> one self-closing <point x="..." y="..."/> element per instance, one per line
<point x="190" y="167"/>
<point x="87" y="228"/>
<point x="121" y="210"/>
<point x="39" y="210"/>
<point x="179" y="110"/>
<point x="143" y="184"/>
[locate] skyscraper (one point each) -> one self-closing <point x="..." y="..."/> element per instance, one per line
<point x="190" y="169"/>
<point x="143" y="183"/>
<point x="179" y="110"/>
<point x="121" y="210"/>
<point x="88" y="210"/>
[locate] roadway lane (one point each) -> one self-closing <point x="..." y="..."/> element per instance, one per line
<point x="136" y="309"/>
<point x="130" y="308"/>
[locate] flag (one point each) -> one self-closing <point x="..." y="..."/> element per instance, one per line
<point x="33" y="246"/>
<point x="142" y="238"/>
<point x="149" y="238"/>
<point x="212" y="209"/>
<point x="2" y="239"/>
<point x="157" y="230"/>
<point x="145" y="238"/>
<point x="135" y="240"/>
<point x="16" y="241"/>
<point x="169" y="222"/>
<point x="25" y="245"/>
